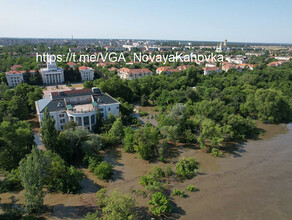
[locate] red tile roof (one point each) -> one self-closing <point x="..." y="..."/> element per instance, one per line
<point x="273" y="64"/>
<point x="134" y="71"/>
<point x="72" y="92"/>
<point x="172" y="70"/>
<point x="163" y="68"/>
<point x="15" y="72"/>
<point x="15" y="67"/>
<point x="210" y="68"/>
<point x="184" y="67"/>
<point x="85" y="68"/>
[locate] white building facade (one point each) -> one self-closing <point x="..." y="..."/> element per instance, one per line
<point x="130" y="74"/>
<point x="86" y="73"/>
<point x="81" y="106"/>
<point x="52" y="74"/>
<point x="14" y="77"/>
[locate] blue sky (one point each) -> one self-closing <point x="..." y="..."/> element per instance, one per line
<point x="212" y="20"/>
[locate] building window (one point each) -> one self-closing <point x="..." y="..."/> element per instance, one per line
<point x="62" y="121"/>
<point x="62" y="127"/>
<point x="61" y="115"/>
<point x="109" y="109"/>
<point x="118" y="107"/>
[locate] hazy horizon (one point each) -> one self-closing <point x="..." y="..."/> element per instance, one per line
<point x="248" y="22"/>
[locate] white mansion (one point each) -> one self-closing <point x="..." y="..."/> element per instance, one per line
<point x="78" y="105"/>
<point x="52" y="74"/>
<point x="86" y="73"/>
<point x="15" y="77"/>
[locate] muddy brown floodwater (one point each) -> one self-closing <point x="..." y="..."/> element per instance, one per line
<point x="255" y="183"/>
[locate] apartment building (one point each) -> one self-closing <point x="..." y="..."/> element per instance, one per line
<point x="130" y="74"/>
<point x="15" y="77"/>
<point x="86" y="73"/>
<point x="208" y="70"/>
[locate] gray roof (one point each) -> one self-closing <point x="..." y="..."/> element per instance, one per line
<point x="42" y="103"/>
<point x="55" y="105"/>
<point x="104" y="99"/>
<point x="56" y="101"/>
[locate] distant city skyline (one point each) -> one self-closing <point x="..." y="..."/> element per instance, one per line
<point x="249" y="21"/>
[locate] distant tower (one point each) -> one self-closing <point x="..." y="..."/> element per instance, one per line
<point x="225" y="43"/>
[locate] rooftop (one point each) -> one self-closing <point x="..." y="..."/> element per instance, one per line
<point x="134" y="71"/>
<point x="85" y="68"/>
<point x="57" y="101"/>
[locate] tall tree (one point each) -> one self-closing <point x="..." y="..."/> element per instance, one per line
<point x="16" y="140"/>
<point x="116" y="133"/>
<point x="33" y="173"/>
<point x="49" y="132"/>
<point x="146" y="141"/>
<point x="128" y="140"/>
<point x="17" y="107"/>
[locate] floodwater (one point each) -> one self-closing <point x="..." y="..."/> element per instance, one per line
<point x="255" y="183"/>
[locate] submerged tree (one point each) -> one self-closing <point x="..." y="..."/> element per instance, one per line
<point x="33" y="173"/>
<point x="49" y="132"/>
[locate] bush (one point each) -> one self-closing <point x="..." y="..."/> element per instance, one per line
<point x="155" y="186"/>
<point x="158" y="173"/>
<point x="160" y="205"/>
<point x="191" y="188"/>
<point x="151" y="181"/>
<point x="146" y="141"/>
<point x="103" y="170"/>
<point x="186" y="168"/>
<point x="143" y="113"/>
<point x="216" y="152"/>
<point x="147" y="179"/>
<point x="71" y="182"/>
<point x="93" y="162"/>
<point x="62" y="178"/>
<point x="11" y="182"/>
<point x="156" y="109"/>
<point x="140" y="192"/>
<point x="167" y="171"/>
<point x="117" y="205"/>
<point x="91" y="216"/>
<point x="189" y="136"/>
<point x="144" y="100"/>
<point x="177" y="192"/>
<point x="101" y="197"/>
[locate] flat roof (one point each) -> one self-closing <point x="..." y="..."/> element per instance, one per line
<point x="56" y="100"/>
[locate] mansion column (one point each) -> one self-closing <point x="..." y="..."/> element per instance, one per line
<point x="82" y="118"/>
<point x="90" y="123"/>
